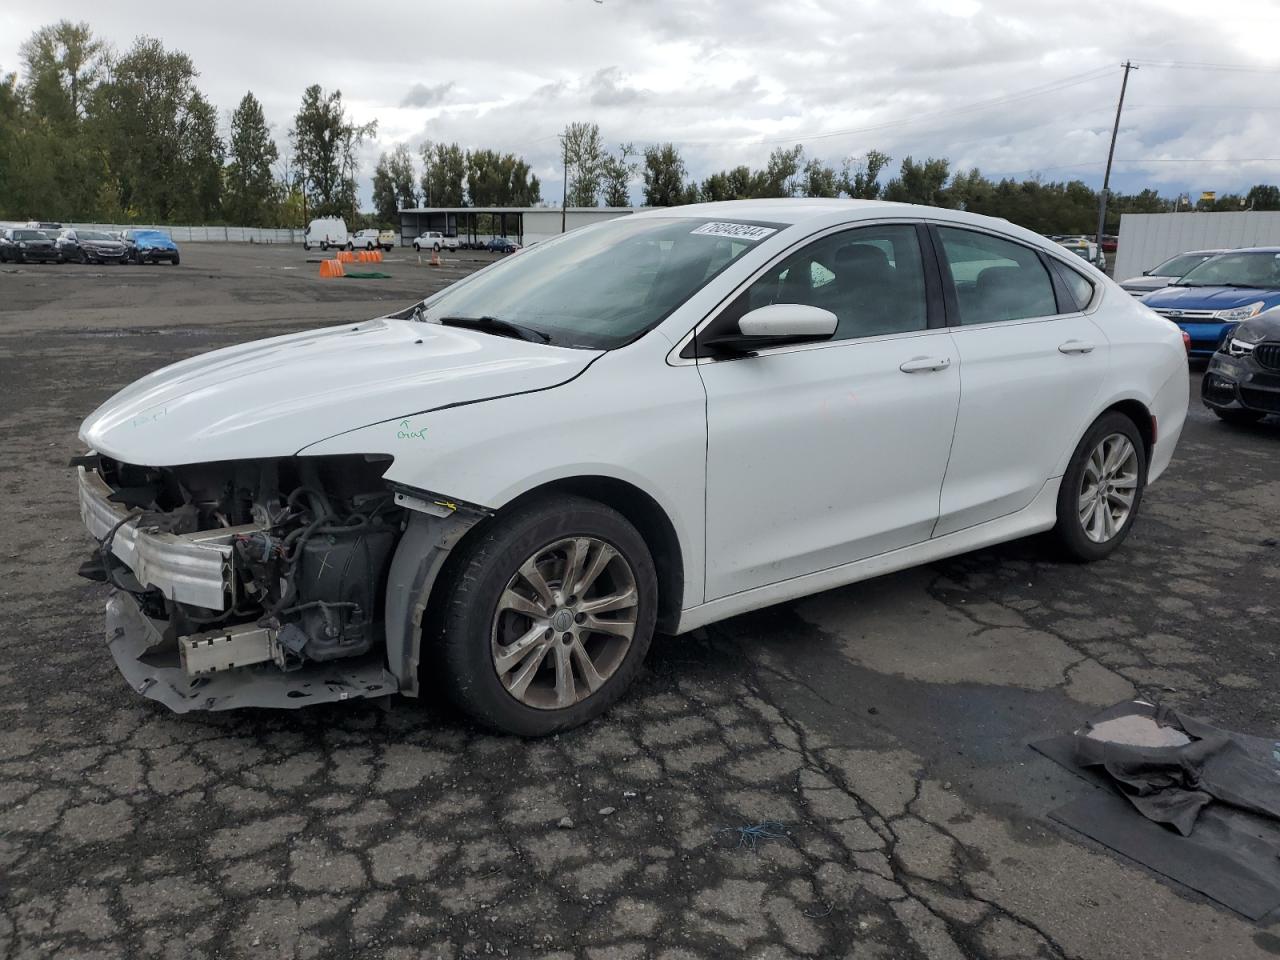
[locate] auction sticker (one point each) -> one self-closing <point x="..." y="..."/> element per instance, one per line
<point x="734" y="231"/>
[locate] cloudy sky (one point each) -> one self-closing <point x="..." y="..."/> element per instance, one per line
<point x="1011" y="86"/>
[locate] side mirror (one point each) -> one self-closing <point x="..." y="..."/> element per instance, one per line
<point x="1146" y="273"/>
<point x="776" y="325"/>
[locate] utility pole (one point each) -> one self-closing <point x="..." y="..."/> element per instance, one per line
<point x="1106" y="177"/>
<point x="564" y="197"/>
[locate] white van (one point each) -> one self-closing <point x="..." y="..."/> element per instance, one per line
<point x="325" y="233"/>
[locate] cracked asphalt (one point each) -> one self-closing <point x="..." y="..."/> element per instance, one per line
<point x="877" y="734"/>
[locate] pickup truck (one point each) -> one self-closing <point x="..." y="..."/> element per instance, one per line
<point x="369" y="239"/>
<point x="435" y="240"/>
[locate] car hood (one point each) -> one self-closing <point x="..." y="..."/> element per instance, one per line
<point x="1266" y="325"/>
<point x="1147" y="283"/>
<point x="158" y="243"/>
<point x="271" y="398"/>
<point x="1208" y="298"/>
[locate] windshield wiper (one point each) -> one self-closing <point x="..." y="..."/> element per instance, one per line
<point x="1243" y="286"/>
<point x="501" y="328"/>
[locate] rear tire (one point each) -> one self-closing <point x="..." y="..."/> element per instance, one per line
<point x="1101" y="490"/>
<point x="478" y="622"/>
<point x="1239" y="417"/>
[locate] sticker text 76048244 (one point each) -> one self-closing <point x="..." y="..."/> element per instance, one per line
<point x="734" y="231"/>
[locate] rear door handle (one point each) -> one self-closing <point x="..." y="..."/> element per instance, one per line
<point x="1075" y="346"/>
<point x="925" y="364"/>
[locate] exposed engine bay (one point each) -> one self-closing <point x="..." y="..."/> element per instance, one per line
<point x="301" y="547"/>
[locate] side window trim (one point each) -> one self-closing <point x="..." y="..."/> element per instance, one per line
<point x="948" y="282"/>
<point x="686" y="350"/>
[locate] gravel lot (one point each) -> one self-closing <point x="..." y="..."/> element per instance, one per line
<point x="883" y="726"/>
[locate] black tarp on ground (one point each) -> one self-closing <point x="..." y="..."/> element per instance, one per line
<point x="1202" y="809"/>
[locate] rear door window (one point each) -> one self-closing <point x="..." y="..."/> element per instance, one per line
<point x="995" y="279"/>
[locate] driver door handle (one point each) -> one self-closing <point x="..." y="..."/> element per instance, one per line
<point x="1075" y="346"/>
<point x="925" y="364"/>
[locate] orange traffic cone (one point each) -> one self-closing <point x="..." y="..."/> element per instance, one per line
<point x="435" y="258"/>
<point x="331" y="268"/>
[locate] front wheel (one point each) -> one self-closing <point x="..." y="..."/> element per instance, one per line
<point x="1101" y="489"/>
<point x="436" y="248"/>
<point x="176" y="260"/>
<point x="548" y="616"/>
<point x="350" y="245"/>
<point x="1242" y="417"/>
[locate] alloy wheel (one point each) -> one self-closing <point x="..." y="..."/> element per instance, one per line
<point x="564" y="622"/>
<point x="1108" y="486"/>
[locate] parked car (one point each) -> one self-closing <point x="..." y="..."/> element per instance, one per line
<point x="91" y="246"/>
<point x="150" y="246"/>
<point x="24" y="245"/>
<point x="502" y="245"/>
<point x="1163" y="274"/>
<point x="1110" y="243"/>
<point x="326" y="232"/>
<point x="435" y="240"/>
<point x="364" y="240"/>
<point x="1210" y="299"/>
<point x="657" y="421"/>
<point x="1242" y="382"/>
<point x="1085" y="249"/>
<point x="388" y="239"/>
<point x="44" y="225"/>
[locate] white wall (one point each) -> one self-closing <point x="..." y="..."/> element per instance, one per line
<point x="201" y="234"/>
<point x="1147" y="239"/>
<point x="543" y="224"/>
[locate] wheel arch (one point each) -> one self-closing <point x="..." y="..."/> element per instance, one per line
<point x="640" y="509"/>
<point x="1140" y="414"/>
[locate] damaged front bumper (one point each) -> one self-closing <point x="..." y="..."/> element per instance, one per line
<point x="153" y="667"/>
<point x="190" y="568"/>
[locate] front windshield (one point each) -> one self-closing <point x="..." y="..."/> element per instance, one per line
<point x="93" y="235"/>
<point x="1241" y="269"/>
<point x="29" y="235"/>
<point x="1179" y="265"/>
<point x="602" y="286"/>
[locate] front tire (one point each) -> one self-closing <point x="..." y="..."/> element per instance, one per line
<point x="1101" y="490"/>
<point x="548" y="616"/>
<point x="1239" y="417"/>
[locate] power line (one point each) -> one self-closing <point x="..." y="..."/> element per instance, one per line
<point x="1200" y="65"/>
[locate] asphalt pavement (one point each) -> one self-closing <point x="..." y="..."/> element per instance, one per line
<point x="844" y="776"/>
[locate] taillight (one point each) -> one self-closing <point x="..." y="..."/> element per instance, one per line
<point x="1186" y="341"/>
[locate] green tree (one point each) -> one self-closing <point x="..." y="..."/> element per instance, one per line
<point x="325" y="142"/>
<point x="159" y="135"/>
<point x="781" y="175"/>
<point x="500" y="180"/>
<point x="820" y="180"/>
<point x="444" y="171"/>
<point x="393" y="184"/>
<point x="250" y="191"/>
<point x="583" y="155"/>
<point x="664" y="176"/>
<point x="1263" y="196"/>
<point x="616" y="172"/>
<point x="922" y="183"/>
<point x="62" y="63"/>
<point x="860" y="178"/>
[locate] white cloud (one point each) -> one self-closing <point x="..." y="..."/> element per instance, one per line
<point x="727" y="79"/>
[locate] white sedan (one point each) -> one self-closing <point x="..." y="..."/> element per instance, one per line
<point x="655" y="422"/>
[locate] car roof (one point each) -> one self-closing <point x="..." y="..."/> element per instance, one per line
<point x="817" y="213"/>
<point x="1274" y="250"/>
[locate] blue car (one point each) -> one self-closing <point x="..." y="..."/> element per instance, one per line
<point x="1225" y="290"/>
<point x="150" y="246"/>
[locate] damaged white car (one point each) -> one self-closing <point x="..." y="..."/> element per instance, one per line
<point x="652" y="423"/>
